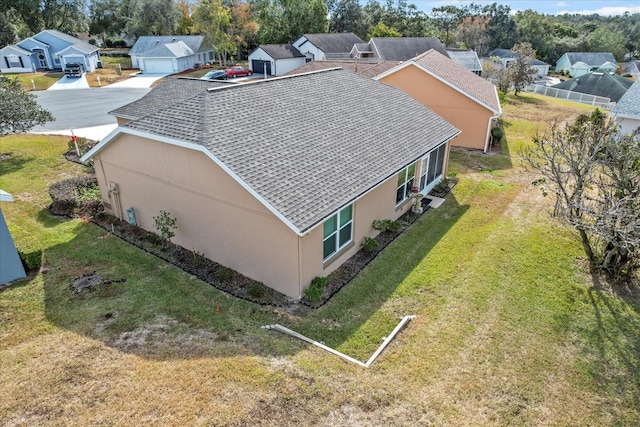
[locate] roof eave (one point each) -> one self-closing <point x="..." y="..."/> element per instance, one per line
<point x="192" y="146"/>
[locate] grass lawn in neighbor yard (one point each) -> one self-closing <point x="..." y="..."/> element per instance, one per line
<point x="509" y="327"/>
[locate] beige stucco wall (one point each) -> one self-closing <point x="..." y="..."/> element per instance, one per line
<point x="380" y="203"/>
<point x="221" y="219"/>
<point x="216" y="216"/>
<point x="464" y="113"/>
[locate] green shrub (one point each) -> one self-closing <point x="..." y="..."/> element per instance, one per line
<point x="32" y="260"/>
<point x="224" y="273"/>
<point x="497" y="133"/>
<point x="256" y="290"/>
<point x="88" y="193"/>
<point x="316" y="288"/>
<point x="165" y="225"/>
<point x="387" y="225"/>
<point x="370" y="245"/>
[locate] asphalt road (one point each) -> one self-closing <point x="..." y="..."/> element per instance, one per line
<point x="82" y="108"/>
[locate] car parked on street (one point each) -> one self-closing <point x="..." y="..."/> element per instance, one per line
<point x="238" y="71"/>
<point x="215" y="75"/>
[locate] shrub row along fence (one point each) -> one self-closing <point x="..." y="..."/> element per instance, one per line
<point x="596" y="101"/>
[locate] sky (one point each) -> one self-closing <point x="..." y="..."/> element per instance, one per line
<point x="549" y="7"/>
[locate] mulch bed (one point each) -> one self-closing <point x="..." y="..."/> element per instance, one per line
<point x="221" y="277"/>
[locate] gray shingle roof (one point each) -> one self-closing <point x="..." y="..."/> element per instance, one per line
<point x="311" y="143"/>
<point x="629" y="104"/>
<point x="281" y="51"/>
<point x="608" y="85"/>
<point x="472" y="85"/>
<point x="177" y="49"/>
<point x="146" y="43"/>
<point x="405" y="48"/>
<point x="334" y="42"/>
<point x="170" y="90"/>
<point x="593" y="59"/>
<point x="82" y="46"/>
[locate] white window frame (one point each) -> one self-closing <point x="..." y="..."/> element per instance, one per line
<point x="338" y="230"/>
<point x="407" y="184"/>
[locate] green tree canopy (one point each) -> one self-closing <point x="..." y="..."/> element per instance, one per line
<point x="19" y="110"/>
<point x="606" y="40"/>
<point x="282" y="21"/>
<point x="381" y="30"/>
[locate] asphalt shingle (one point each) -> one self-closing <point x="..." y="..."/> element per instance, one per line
<point x="307" y="144"/>
<point x="629" y="104"/>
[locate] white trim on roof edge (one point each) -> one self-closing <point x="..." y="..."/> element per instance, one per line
<point x="196" y="147"/>
<point x="437" y="77"/>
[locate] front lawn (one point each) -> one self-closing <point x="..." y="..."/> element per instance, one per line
<point x="510" y="327"/>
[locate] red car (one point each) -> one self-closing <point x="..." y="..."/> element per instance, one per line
<point x="238" y="71"/>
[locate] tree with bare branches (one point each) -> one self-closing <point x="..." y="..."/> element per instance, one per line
<point x="594" y="173"/>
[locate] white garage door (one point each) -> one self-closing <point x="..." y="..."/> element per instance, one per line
<point x="157" y="66"/>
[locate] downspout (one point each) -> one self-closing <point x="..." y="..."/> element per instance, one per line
<point x="299" y="266"/>
<point x="487" y="136"/>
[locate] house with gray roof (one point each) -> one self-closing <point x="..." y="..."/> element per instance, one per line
<point x="170" y="54"/>
<point x="626" y="112"/>
<point x="577" y="64"/>
<point x="631" y="68"/>
<point x="241" y="185"/>
<point x="275" y="59"/>
<point x="506" y="56"/>
<point x="404" y="48"/>
<point x="321" y="46"/>
<point x="598" y="83"/>
<point x="48" y="50"/>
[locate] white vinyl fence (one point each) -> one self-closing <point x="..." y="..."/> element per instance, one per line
<point x="597" y="101"/>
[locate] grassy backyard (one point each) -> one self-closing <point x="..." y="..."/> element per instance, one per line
<point x="510" y="327"/>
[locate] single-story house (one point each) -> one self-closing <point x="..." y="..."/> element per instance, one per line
<point x="170" y="54"/>
<point x="319" y="46"/>
<point x="577" y="64"/>
<point x="275" y="59"/>
<point x="461" y="97"/>
<point x="468" y="58"/>
<point x="170" y="90"/>
<point x="10" y="264"/>
<point x="632" y="68"/>
<point x="333" y="152"/>
<point x="506" y="56"/>
<point x="627" y="110"/>
<point x="598" y="83"/>
<point x="48" y="50"/>
<point x="399" y="48"/>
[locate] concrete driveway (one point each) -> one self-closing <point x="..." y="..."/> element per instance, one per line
<point x="84" y="110"/>
<point x="66" y="82"/>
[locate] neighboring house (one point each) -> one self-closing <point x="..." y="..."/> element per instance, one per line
<point x="467" y="58"/>
<point x="10" y="264"/>
<point x="275" y="59"/>
<point x="627" y="111"/>
<point x="170" y="90"/>
<point x="364" y="68"/>
<point x="317" y="47"/>
<point x="506" y="56"/>
<point x="577" y="64"/>
<point x="608" y="85"/>
<point x="48" y="50"/>
<point x="402" y="48"/>
<point x="632" y="68"/>
<point x="170" y="54"/>
<point x="461" y="97"/>
<point x="329" y="153"/>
